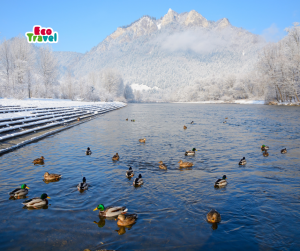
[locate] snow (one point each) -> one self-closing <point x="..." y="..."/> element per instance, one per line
<point x="141" y="87"/>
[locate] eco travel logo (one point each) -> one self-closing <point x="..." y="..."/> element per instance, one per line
<point x="42" y="35"/>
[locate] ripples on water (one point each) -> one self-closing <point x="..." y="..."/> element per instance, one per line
<point x="259" y="207"/>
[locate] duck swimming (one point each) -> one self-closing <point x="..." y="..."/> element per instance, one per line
<point x="88" y="151"/>
<point x="83" y="185"/>
<point x="130" y="172"/>
<point x="39" y="161"/>
<point x="184" y="127"/>
<point x="162" y="165"/>
<point x="191" y="152"/>
<point x="263" y="148"/>
<point x="37" y="202"/>
<point x="110" y="211"/>
<point x="213" y="216"/>
<point x="138" y="181"/>
<point x="265" y="153"/>
<point x="126" y="219"/>
<point x="192" y="122"/>
<point x="52" y="176"/>
<point x="243" y="161"/>
<point x="185" y="164"/>
<point x="225" y="122"/>
<point x="283" y="151"/>
<point x="19" y="192"/>
<point x="221" y="182"/>
<point x="142" y="140"/>
<point x="127" y="119"/>
<point x="116" y="157"/>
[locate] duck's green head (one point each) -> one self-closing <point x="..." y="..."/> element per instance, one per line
<point x="194" y="149"/>
<point x="224" y="177"/>
<point x="263" y="146"/>
<point x="45" y="196"/>
<point x="100" y="207"/>
<point x="24" y="186"/>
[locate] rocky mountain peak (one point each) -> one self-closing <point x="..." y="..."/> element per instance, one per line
<point x="195" y="19"/>
<point x="170" y="17"/>
<point x="224" y="22"/>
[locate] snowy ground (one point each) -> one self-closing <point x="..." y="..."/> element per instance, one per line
<point x="239" y="101"/>
<point x="43" y="103"/>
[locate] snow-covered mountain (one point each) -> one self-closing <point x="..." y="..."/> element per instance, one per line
<point x="176" y="50"/>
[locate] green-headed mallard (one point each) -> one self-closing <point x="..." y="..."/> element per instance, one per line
<point x="283" y="151"/>
<point x="192" y="122"/>
<point x="129" y="172"/>
<point x="37" y="202"/>
<point x="110" y="211"/>
<point x="83" y="185"/>
<point x="52" y="176"/>
<point x="88" y="151"/>
<point x="142" y="140"/>
<point x="185" y="164"/>
<point x="39" y="161"/>
<point x="19" y="192"/>
<point x="116" y="157"/>
<point x="224" y="122"/>
<point x="213" y="216"/>
<point x="184" y="127"/>
<point x="265" y="153"/>
<point x="126" y="219"/>
<point x="221" y="182"/>
<point x="162" y="165"/>
<point x="243" y="161"/>
<point x="138" y="181"/>
<point x="191" y="152"/>
<point x="264" y="147"/>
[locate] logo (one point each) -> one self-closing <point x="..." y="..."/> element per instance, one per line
<point x="42" y="35"/>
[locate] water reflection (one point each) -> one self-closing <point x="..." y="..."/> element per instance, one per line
<point x="18" y="198"/>
<point x="122" y="230"/>
<point x="51" y="181"/>
<point x="36" y="208"/>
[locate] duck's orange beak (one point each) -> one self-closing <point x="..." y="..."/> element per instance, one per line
<point x="27" y="187"/>
<point x="48" y="197"/>
<point x="95" y="209"/>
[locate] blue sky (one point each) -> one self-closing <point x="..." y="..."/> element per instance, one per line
<point x="81" y="25"/>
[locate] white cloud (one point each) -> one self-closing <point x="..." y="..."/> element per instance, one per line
<point x="273" y="34"/>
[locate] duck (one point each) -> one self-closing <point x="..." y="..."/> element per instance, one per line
<point x="37" y="201"/>
<point x="18" y="192"/>
<point x="162" y="165"/>
<point x="138" y="181"/>
<point x="221" y="182"/>
<point x="127" y="119"/>
<point x="283" y="151"/>
<point x="88" y="151"/>
<point x="129" y="172"/>
<point x="52" y="176"/>
<point x="226" y="118"/>
<point x="142" y="140"/>
<point x="132" y="120"/>
<point x="83" y="185"/>
<point x="126" y="220"/>
<point x="116" y="157"/>
<point x="185" y="164"/>
<point x="192" y="122"/>
<point x="78" y="119"/>
<point x="111" y="211"/>
<point x="243" y="161"/>
<point x="263" y="147"/>
<point x="265" y="153"/>
<point x="191" y="152"/>
<point x="224" y="122"/>
<point x="184" y="127"/>
<point x="213" y="216"/>
<point x="39" y="160"/>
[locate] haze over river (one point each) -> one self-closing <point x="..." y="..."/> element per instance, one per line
<point x="260" y="206"/>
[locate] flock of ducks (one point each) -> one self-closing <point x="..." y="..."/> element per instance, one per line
<point x="124" y="219"/>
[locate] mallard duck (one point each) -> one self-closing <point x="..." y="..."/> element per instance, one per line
<point x="192" y="122"/>
<point x="52" y="176"/>
<point x="78" y="119"/>
<point x="39" y="160"/>
<point x="18" y="192"/>
<point x="127" y="119"/>
<point x="224" y="122"/>
<point x="126" y="219"/>
<point x="37" y="202"/>
<point x="138" y="181"/>
<point x="185" y="164"/>
<point x="110" y="211"/>
<point x="116" y="157"/>
<point x="162" y="165"/>
<point x="190" y="153"/>
<point x="132" y="120"/>
<point x="226" y="118"/>
<point x="83" y="185"/>
<point x="213" y="216"/>
<point x="130" y="172"/>
<point x="221" y="182"/>
<point x="243" y="161"/>
<point x="184" y="127"/>
<point x="142" y="140"/>
<point x="263" y="148"/>
<point x="88" y="151"/>
<point x="283" y="151"/>
<point x="265" y="153"/>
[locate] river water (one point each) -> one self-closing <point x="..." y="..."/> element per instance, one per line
<point x="260" y="206"/>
